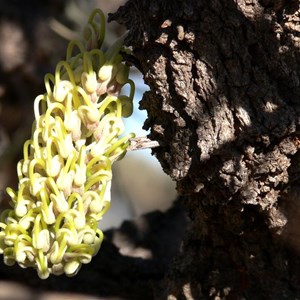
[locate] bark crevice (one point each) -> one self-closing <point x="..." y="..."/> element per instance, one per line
<point x="224" y="100"/>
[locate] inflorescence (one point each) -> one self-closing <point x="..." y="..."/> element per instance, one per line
<point x="65" y="176"/>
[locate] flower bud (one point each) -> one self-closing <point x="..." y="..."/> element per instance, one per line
<point x="21" y="208"/>
<point x="122" y="74"/>
<point x="89" y="82"/>
<point x="57" y="269"/>
<point x="105" y="72"/>
<point x="43" y="240"/>
<point x="127" y="106"/>
<point x="61" y="90"/>
<point x="54" y="165"/>
<point x="71" y="268"/>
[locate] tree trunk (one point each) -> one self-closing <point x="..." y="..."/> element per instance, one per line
<point x="224" y="106"/>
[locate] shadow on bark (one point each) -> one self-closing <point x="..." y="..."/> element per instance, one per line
<point x="224" y="104"/>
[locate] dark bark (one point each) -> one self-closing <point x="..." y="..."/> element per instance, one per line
<point x="224" y="105"/>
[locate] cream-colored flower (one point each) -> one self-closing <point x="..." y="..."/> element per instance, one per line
<point x="65" y="175"/>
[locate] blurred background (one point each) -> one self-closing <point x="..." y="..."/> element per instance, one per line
<point x="33" y="38"/>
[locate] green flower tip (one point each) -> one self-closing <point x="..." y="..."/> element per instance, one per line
<point x="65" y="175"/>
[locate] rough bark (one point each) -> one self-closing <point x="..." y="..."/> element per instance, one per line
<point x="224" y="105"/>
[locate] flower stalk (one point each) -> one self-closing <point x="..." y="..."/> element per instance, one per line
<point x="65" y="174"/>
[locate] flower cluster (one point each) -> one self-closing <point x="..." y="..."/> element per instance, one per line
<point x="65" y="176"/>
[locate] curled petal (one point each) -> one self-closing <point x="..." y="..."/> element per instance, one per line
<point x="80" y="175"/>
<point x="60" y="202"/>
<point x="61" y="90"/>
<point x="69" y="234"/>
<point x="21" y="208"/>
<point x="87" y="235"/>
<point x="73" y="124"/>
<point x="38" y="183"/>
<point x="57" y="269"/>
<point x="122" y="74"/>
<point x="54" y="165"/>
<point x="89" y="82"/>
<point x="24" y="254"/>
<point x="2" y="242"/>
<point x="42" y="265"/>
<point x="89" y="115"/>
<point x="58" y="250"/>
<point x="127" y="106"/>
<point x="64" y="182"/>
<point x="12" y="232"/>
<point x="9" y="257"/>
<point x="81" y="252"/>
<point x="26" y="221"/>
<point x="105" y="72"/>
<point x="71" y="268"/>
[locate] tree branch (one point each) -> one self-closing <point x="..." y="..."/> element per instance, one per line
<point x="139" y="143"/>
